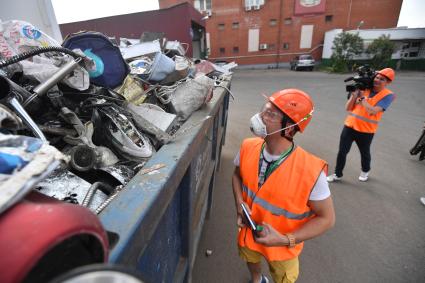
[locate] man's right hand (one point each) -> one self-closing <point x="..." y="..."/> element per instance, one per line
<point x="240" y="221"/>
<point x="357" y="93"/>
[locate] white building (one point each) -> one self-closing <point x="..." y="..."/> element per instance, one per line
<point x="409" y="42"/>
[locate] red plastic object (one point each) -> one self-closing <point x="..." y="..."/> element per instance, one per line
<point x="29" y="229"/>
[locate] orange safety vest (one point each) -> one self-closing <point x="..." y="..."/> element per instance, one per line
<point x="282" y="200"/>
<point x="360" y="120"/>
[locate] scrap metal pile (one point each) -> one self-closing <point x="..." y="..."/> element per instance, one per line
<point x="106" y="109"/>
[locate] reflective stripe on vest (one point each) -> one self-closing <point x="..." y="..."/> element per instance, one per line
<point x="363" y="118"/>
<point x="274" y="209"/>
<point x="282" y="201"/>
<point x="360" y="120"/>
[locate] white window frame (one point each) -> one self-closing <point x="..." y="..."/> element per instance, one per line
<point x="254" y="3"/>
<point x="203" y="7"/>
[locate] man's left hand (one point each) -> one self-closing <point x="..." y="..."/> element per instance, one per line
<point x="270" y="237"/>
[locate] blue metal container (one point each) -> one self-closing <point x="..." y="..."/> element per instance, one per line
<point x="158" y="217"/>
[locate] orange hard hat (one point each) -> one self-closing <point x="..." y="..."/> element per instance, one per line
<point x="388" y="73"/>
<point x="296" y="104"/>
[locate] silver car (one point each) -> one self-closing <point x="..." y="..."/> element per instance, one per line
<point x="302" y="62"/>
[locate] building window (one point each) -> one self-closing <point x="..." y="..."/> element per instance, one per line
<point x="328" y="18"/>
<point x="271" y="46"/>
<point x="415" y="44"/>
<point x="273" y="22"/>
<point x="220" y="26"/>
<point x="411" y="49"/>
<point x="288" y="21"/>
<point x="222" y="50"/>
<point x="202" y="5"/>
<point x="286" y="45"/>
<point x="235" y="25"/>
<point x="253" y="4"/>
<point x="235" y="49"/>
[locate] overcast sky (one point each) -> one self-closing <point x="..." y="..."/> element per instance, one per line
<point x="67" y="11"/>
<point x="412" y="11"/>
<point x="412" y="14"/>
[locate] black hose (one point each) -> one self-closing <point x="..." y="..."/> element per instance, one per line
<point x="57" y="131"/>
<point x="36" y="51"/>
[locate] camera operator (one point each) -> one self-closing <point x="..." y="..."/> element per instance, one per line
<point x="365" y="109"/>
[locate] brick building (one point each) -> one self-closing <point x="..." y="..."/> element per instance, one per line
<point x="273" y="31"/>
<point x="180" y="22"/>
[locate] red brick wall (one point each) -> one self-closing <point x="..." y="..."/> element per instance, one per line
<point x="175" y="23"/>
<point x="375" y="14"/>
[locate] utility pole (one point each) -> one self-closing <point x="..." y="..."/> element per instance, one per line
<point x="279" y="33"/>
<point x="349" y="14"/>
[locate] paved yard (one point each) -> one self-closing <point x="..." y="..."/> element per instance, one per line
<point x="379" y="234"/>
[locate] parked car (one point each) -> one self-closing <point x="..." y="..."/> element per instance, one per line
<point x="221" y="62"/>
<point x="302" y="62"/>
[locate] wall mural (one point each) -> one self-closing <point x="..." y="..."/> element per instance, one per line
<point x="303" y="7"/>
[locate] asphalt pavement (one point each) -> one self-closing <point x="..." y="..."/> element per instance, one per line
<point x="379" y="235"/>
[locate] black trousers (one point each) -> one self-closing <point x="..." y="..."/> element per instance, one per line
<point x="363" y="141"/>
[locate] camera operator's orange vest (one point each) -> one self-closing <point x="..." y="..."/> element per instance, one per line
<point x="282" y="199"/>
<point x="361" y="121"/>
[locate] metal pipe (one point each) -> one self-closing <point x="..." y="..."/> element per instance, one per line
<point x="349" y="14"/>
<point x="43" y="87"/>
<point x="26" y="118"/>
<point x="279" y="33"/>
<point x="11" y="94"/>
<point x="83" y="158"/>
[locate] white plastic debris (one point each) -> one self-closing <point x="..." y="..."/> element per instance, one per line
<point x="191" y="95"/>
<point x="140" y="49"/>
<point x="176" y="47"/>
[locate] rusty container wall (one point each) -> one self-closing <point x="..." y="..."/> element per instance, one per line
<point x="159" y="216"/>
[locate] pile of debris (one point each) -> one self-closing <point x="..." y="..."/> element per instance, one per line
<point x="106" y="109"/>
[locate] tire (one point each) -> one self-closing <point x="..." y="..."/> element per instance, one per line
<point x="419" y="144"/>
<point x="88" y="273"/>
<point x="311" y="69"/>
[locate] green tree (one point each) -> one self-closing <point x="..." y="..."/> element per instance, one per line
<point x="381" y="50"/>
<point x="346" y="45"/>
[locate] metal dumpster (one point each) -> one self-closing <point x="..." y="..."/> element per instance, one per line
<point x="157" y="219"/>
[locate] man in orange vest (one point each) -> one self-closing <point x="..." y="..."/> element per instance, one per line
<point x="283" y="187"/>
<point x="365" y="109"/>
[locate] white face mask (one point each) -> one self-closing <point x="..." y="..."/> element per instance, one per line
<point x="259" y="129"/>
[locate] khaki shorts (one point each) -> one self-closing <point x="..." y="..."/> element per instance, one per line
<point x="285" y="271"/>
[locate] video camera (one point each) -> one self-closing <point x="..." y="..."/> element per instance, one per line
<point x="363" y="80"/>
